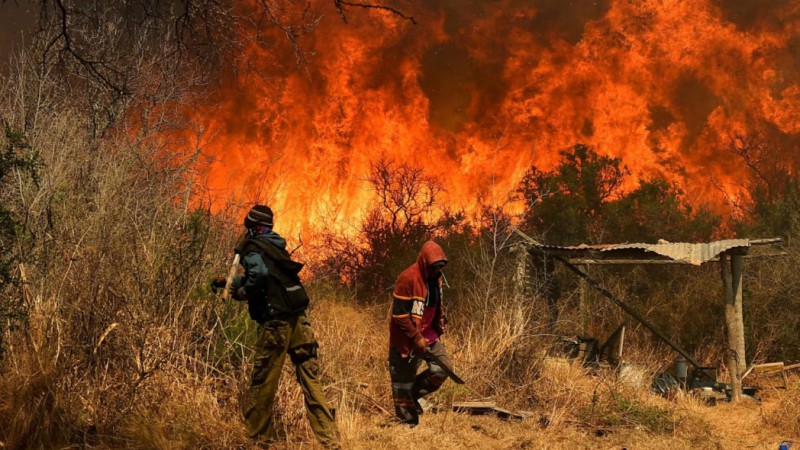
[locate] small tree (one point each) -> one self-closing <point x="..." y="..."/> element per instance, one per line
<point x="404" y="214"/>
<point x="774" y="191"/>
<point x="565" y="204"/>
<point x="655" y="210"/>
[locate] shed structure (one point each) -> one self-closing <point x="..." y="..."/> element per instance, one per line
<point x="729" y="254"/>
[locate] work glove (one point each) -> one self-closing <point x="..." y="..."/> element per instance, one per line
<point x="217" y="284"/>
<point x="420" y="344"/>
<point x="237" y="294"/>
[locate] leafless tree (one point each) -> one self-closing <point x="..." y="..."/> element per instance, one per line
<point x="405" y="194"/>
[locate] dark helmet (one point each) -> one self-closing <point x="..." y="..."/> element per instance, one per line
<point x="259" y="216"/>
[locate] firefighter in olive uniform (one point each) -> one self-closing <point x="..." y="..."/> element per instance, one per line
<point x="277" y="300"/>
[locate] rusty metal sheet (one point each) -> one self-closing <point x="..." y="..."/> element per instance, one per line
<point x="689" y="253"/>
<point x="697" y="254"/>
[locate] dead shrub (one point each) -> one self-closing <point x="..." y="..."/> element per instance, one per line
<point x="33" y="411"/>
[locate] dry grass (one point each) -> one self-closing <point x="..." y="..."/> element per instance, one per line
<point x="186" y="404"/>
<point x="783" y="412"/>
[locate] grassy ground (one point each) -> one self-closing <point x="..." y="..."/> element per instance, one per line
<point x="699" y="427"/>
<point x="570" y="406"/>
<point x="191" y="398"/>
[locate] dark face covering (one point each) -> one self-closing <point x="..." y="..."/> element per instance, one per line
<point x="436" y="270"/>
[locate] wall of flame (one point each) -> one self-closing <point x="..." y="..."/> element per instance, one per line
<point x="479" y="90"/>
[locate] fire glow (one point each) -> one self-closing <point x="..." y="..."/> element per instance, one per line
<point x="475" y="93"/>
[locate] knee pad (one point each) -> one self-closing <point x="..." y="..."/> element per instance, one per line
<point x="303" y="353"/>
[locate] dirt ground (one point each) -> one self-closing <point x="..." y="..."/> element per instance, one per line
<point x="725" y="426"/>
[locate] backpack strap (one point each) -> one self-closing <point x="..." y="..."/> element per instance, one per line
<point x="278" y="256"/>
<point x="285" y="293"/>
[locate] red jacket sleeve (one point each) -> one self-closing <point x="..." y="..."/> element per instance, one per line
<point x="407" y="310"/>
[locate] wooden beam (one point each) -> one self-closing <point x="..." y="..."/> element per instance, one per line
<point x="623" y="262"/>
<point x="768" y="241"/>
<point x="583" y="306"/>
<point x="607" y="294"/>
<point x="768" y="367"/>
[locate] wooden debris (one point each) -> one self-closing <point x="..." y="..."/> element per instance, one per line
<point x="709" y="396"/>
<point x="769" y="367"/>
<point x="488" y="408"/>
<point x="791" y="367"/>
<point x="773" y="368"/>
<point x="611" y="350"/>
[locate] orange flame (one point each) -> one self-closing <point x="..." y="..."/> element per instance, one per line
<point x="478" y="93"/>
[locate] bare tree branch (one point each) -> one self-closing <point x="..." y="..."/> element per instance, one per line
<point x="341" y="4"/>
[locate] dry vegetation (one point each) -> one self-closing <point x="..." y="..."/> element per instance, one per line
<point x="112" y="339"/>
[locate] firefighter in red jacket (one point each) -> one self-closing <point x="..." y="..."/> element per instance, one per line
<point x="418" y="320"/>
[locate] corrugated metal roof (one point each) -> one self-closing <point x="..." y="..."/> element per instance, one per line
<point x="690" y="253"/>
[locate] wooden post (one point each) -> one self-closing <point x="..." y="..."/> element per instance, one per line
<point x="552" y="291"/>
<point x="521" y="273"/>
<point x="584" y="315"/>
<point x="732" y="288"/>
<point x="738" y="312"/>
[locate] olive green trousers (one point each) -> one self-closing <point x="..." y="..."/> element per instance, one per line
<point x="276" y="338"/>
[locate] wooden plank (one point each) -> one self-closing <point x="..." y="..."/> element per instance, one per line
<point x="791" y="367"/>
<point x="484" y="408"/>
<point x="767" y="241"/>
<point x="769" y="367"/>
<point x="477" y="404"/>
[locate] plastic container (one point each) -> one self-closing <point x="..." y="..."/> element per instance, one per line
<point x="681" y="369"/>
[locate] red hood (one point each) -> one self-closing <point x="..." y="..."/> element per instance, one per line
<point x="413" y="281"/>
<point x="430" y="253"/>
<point x="412" y="284"/>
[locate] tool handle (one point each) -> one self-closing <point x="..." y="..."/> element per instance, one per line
<point x="226" y="294"/>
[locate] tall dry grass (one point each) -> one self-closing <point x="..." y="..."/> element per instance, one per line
<point x="783" y="414"/>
